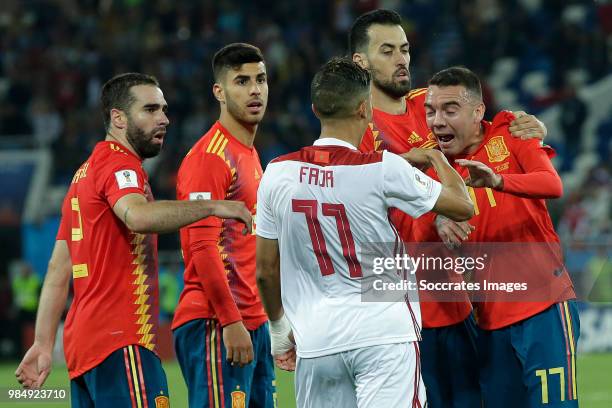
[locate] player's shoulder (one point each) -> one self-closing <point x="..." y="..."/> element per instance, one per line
<point x="503" y="119"/>
<point x="329" y="156"/>
<point x="499" y="127"/>
<point x="500" y="143"/>
<point x="415" y="101"/>
<point x="109" y="155"/>
<point x="213" y="142"/>
<point x="416" y="95"/>
<point x="288" y="157"/>
<point x="209" y="152"/>
<point x="393" y="160"/>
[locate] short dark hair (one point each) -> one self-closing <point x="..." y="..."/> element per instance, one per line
<point x="358" y="36"/>
<point x="338" y="87"/>
<point x="233" y="56"/>
<point x="116" y="92"/>
<point x="458" y="76"/>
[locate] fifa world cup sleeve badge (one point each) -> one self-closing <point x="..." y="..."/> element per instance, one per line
<point x="497" y="150"/>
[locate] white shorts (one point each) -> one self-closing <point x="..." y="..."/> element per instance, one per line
<point x="386" y="376"/>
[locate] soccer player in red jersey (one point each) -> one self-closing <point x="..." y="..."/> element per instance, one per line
<point x="107" y="243"/>
<point x="220" y="328"/>
<point x="378" y="42"/>
<point x="527" y="346"/>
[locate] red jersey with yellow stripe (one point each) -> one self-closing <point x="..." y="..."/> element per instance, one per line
<point x="516" y="219"/>
<point x="220" y="261"/>
<point x="114" y="270"/>
<point x="398" y="134"/>
<point x="511" y="216"/>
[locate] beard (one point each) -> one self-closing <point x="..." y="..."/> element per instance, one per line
<point x="395" y="89"/>
<point x="142" y="141"/>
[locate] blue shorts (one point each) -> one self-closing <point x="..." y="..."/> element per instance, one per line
<point x="131" y="377"/>
<point x="531" y="363"/>
<point x="449" y="365"/>
<point x="211" y="380"/>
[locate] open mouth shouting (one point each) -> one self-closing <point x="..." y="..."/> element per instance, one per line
<point x="445" y="140"/>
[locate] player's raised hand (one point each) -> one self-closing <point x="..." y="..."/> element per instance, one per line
<point x="238" y="345"/>
<point x="481" y="175"/>
<point x="233" y="209"/>
<point x="527" y="126"/>
<point x="452" y="233"/>
<point x="34" y="368"/>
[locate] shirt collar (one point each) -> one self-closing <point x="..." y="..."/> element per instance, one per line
<point x="332" y="141"/>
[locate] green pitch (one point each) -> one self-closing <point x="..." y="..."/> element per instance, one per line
<point x="594" y="390"/>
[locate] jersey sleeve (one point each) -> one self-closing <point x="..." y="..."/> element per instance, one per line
<point x="266" y="224"/>
<point x="64" y="231"/>
<point x="204" y="176"/>
<point x="539" y="178"/>
<point x="120" y="179"/>
<point x="408" y="188"/>
<point x="207" y="176"/>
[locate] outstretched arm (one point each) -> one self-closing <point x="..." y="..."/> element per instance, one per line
<point x="36" y="364"/>
<point x="143" y="216"/>
<point x="538" y="180"/>
<point x="454" y="201"/>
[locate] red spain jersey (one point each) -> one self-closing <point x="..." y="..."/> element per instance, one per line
<point x="510" y="216"/>
<point x="114" y="270"/>
<point x="398" y="134"/>
<point x="219" y="260"/>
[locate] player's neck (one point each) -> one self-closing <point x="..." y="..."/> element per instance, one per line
<point x="114" y="136"/>
<point x="387" y="103"/>
<point x="475" y="142"/>
<point x="245" y="133"/>
<point x="350" y="131"/>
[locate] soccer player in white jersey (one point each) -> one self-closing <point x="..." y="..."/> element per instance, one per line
<point x="317" y="209"/>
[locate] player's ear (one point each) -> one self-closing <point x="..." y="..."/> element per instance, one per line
<point x="479" y="112"/>
<point x="218" y="92"/>
<point x="314" y="110"/>
<point x="360" y="59"/>
<point x="118" y="118"/>
<point x="362" y="109"/>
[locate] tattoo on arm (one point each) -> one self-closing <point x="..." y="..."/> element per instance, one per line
<point x="125" y="215"/>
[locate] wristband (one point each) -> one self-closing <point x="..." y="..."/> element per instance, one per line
<point x="279" y="336"/>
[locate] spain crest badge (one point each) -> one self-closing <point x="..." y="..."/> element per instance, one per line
<point x="496" y="149"/>
<point x="238" y="399"/>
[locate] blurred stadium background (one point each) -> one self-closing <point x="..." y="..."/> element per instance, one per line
<point x="551" y="58"/>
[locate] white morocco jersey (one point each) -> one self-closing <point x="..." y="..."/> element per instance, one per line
<point x="325" y="204"/>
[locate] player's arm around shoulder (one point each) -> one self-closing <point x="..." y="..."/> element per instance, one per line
<point x="526" y="126"/>
<point x="453" y="201"/>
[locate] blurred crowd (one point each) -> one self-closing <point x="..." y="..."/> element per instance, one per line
<point x="54" y="56"/>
